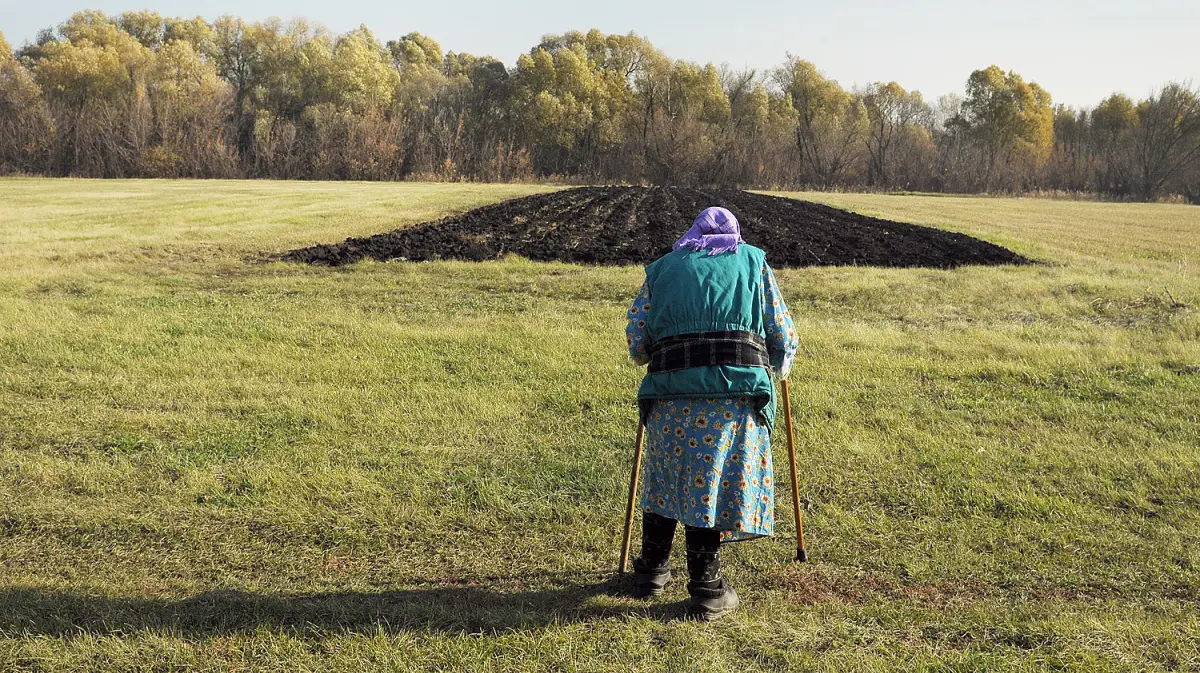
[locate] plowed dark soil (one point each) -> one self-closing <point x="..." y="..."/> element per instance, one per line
<point x="636" y="225"/>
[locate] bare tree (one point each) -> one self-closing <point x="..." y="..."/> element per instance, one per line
<point x="1166" y="140"/>
<point x="892" y="113"/>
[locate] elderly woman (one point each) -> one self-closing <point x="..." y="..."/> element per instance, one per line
<point x="712" y="326"/>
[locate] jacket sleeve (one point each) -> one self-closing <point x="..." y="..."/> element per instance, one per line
<point x="782" y="341"/>
<point x="636" y="335"/>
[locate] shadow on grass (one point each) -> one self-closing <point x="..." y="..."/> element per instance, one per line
<point x="485" y="605"/>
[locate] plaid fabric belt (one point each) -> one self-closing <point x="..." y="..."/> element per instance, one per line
<point x="708" y="349"/>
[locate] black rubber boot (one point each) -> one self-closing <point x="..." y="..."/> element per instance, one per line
<point x="711" y="597"/>
<point x="652" y="570"/>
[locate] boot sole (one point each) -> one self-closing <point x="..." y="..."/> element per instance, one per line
<point x="708" y="615"/>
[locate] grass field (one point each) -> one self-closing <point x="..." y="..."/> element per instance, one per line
<point x="209" y="461"/>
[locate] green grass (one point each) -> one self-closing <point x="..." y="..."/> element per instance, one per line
<point x="213" y="462"/>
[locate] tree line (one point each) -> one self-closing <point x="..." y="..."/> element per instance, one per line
<point x="141" y="95"/>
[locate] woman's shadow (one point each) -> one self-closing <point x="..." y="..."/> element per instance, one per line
<point x="477" y="606"/>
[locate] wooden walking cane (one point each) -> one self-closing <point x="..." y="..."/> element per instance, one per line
<point x="633" y="482"/>
<point x="801" y="554"/>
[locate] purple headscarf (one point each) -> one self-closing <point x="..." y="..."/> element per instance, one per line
<point x="715" y="230"/>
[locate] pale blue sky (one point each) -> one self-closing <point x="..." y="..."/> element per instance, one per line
<point x="1079" y="50"/>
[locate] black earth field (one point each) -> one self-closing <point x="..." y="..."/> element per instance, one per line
<point x="635" y="225"/>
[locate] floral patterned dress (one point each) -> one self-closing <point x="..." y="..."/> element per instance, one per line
<point x="708" y="460"/>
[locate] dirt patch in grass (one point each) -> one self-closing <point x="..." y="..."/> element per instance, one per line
<point x="808" y="587"/>
<point x="846" y="585"/>
<point x="817" y="586"/>
<point x="636" y="225"/>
